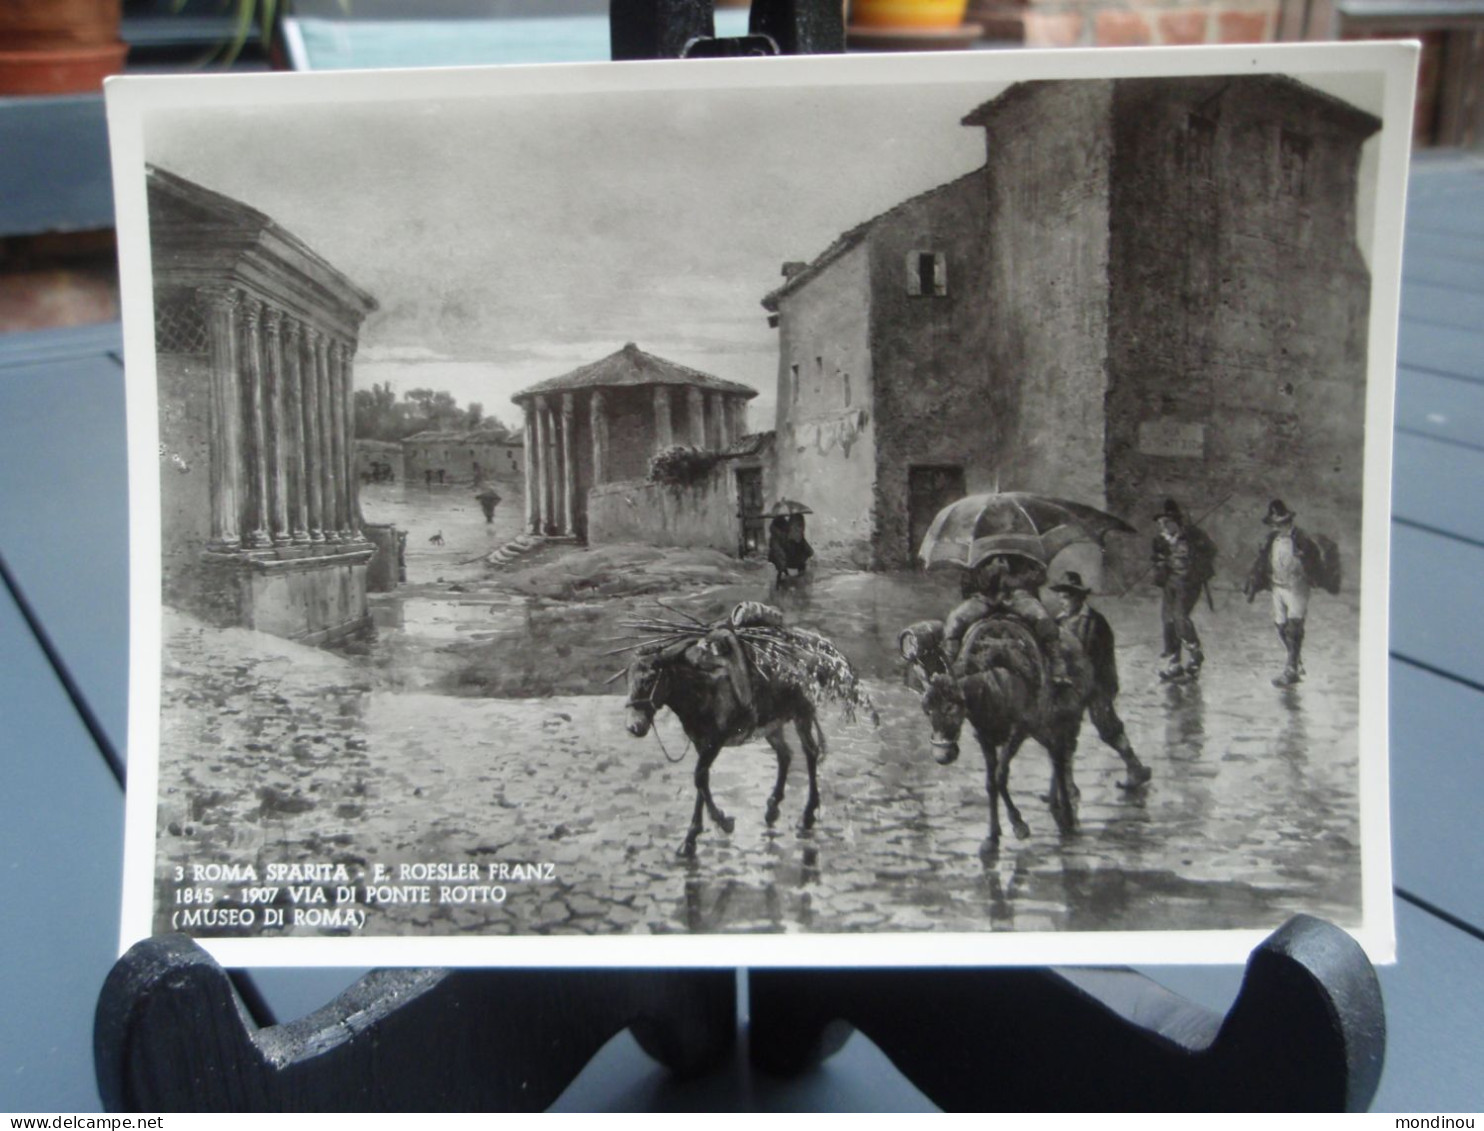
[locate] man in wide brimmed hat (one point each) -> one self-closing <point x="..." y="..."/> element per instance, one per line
<point x="1287" y="563"/>
<point x="1095" y="634"/>
<point x="1184" y="559"/>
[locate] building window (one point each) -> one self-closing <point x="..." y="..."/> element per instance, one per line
<point x="1200" y="150"/>
<point x="845" y="387"/>
<point x="793" y="373"/>
<point x="1293" y="162"/>
<point x="927" y="273"/>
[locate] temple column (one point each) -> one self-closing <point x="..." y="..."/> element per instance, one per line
<point x="696" y="406"/>
<point x="225" y="400"/>
<point x="729" y="434"/>
<point x="256" y="432"/>
<point x="293" y="403"/>
<point x="314" y="469"/>
<point x="335" y="379"/>
<point x="352" y="480"/>
<point x="569" y="470"/>
<point x="329" y="518"/>
<point x="716" y="422"/>
<point x="533" y="515"/>
<point x="664" y="432"/>
<point x="597" y="419"/>
<point x="278" y="469"/>
<point x="543" y="463"/>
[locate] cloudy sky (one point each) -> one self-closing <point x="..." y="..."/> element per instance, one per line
<point x="512" y="238"/>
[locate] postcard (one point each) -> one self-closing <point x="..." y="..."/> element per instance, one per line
<point x="922" y="509"/>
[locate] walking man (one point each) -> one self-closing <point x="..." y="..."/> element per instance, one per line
<point x="1095" y="634"/>
<point x="1184" y="560"/>
<point x="1288" y="563"/>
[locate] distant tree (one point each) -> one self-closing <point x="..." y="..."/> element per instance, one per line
<point x="381" y="416"/>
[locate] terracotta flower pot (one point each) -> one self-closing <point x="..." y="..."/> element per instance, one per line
<point x="58" y="46"/>
<point x="58" y="24"/>
<point x="902" y="14"/>
<point x="75" y="71"/>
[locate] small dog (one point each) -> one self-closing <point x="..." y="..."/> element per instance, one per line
<point x="437" y="539"/>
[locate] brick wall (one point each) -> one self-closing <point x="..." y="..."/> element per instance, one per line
<point x="1127" y="23"/>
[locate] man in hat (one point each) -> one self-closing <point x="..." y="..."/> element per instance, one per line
<point x="1184" y="560"/>
<point x="1095" y="634"/>
<point x="1287" y="563"/>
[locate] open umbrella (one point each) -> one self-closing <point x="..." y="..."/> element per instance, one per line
<point x="788" y="506"/>
<point x="968" y="532"/>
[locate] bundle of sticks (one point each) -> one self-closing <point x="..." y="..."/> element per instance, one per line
<point x="795" y="656"/>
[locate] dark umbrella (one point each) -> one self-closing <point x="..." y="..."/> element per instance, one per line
<point x="968" y="532"/>
<point x="787" y="507"/>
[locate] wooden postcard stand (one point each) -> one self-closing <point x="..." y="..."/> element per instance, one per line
<point x="1306" y="1032"/>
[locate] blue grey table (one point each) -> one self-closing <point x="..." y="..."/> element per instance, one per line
<point x="63" y="686"/>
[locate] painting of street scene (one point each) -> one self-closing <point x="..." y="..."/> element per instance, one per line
<point x="837" y="508"/>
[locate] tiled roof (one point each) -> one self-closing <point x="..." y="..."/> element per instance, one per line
<point x="632" y="366"/>
<point x="849" y="239"/>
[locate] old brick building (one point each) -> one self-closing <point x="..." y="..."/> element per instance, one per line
<point x="463" y="456"/>
<point x="1152" y="287"/>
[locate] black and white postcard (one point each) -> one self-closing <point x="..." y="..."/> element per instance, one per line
<point x="912" y="509"/>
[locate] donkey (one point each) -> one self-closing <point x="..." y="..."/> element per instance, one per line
<point x="999" y="684"/>
<point x="706" y="682"/>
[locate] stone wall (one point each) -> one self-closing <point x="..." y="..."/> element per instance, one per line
<point x="1047" y="181"/>
<point x="933" y="376"/>
<point x="703" y="515"/>
<point x="826" y="440"/>
<point x="1240" y="305"/>
<point x="185" y="475"/>
<point x="314" y="600"/>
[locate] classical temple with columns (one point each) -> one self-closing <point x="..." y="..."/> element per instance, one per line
<point x="254" y="336"/>
<point x="602" y="422"/>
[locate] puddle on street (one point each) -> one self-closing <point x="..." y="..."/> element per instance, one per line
<point x="476" y="724"/>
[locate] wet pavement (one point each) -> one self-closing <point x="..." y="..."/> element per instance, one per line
<point x="474" y="734"/>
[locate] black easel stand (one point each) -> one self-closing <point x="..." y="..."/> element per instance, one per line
<point x="171" y="1034"/>
<point x="1307" y="1032"/>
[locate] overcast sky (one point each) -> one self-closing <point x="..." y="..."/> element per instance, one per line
<point x="512" y="239"/>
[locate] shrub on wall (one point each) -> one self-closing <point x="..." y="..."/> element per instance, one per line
<point x="681" y="466"/>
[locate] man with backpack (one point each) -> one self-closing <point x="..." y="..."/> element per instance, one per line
<point x="1289" y="563"/>
<point x="1184" y="561"/>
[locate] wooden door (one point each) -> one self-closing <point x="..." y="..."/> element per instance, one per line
<point x="929" y="490"/>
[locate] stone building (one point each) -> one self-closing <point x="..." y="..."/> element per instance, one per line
<point x="882" y="376"/>
<point x="601" y="423"/>
<point x="463" y="457"/>
<point x="1151" y="288"/>
<point x="379" y="461"/>
<point x="254" y="336"/>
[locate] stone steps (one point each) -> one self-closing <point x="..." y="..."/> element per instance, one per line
<point x="516" y="548"/>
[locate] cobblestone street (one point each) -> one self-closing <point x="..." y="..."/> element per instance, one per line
<point x="460" y="737"/>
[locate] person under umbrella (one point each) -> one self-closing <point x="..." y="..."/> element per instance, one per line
<point x="1007" y="583"/>
<point x="488" y="499"/>
<point x="788" y="549"/>
<point x="1003" y="541"/>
